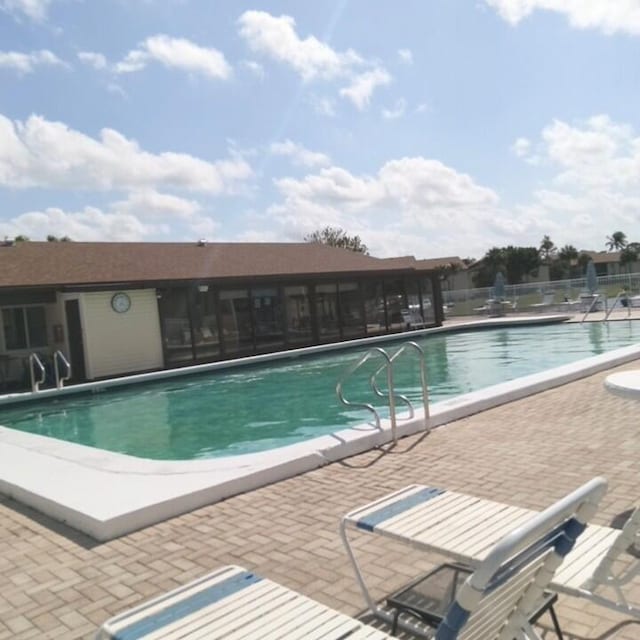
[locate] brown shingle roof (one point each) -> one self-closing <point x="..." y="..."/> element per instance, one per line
<point x="76" y="263"/>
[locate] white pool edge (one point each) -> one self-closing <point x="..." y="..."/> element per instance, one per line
<point x="106" y="495"/>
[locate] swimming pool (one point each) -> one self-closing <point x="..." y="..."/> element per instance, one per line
<point x="263" y="407"/>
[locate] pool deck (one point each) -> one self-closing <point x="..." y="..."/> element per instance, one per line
<point x="58" y="583"/>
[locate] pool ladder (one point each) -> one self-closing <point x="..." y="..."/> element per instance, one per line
<point x="35" y="362"/>
<point x="388" y="363"/>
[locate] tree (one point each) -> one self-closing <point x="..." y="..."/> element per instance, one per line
<point x="336" y="237"/>
<point x="617" y="241"/>
<point x="563" y="266"/>
<point x="568" y="253"/>
<point x="514" y="262"/>
<point x="547" y="250"/>
<point x="521" y="262"/>
<point x="51" y="238"/>
<point x="628" y="255"/>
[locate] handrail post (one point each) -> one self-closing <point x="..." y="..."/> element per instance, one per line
<point x="58" y="355"/>
<point x="35" y="384"/>
<point x="392" y="402"/>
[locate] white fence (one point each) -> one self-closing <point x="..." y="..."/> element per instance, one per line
<point x="537" y="296"/>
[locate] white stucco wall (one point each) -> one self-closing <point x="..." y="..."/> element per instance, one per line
<point x="117" y="343"/>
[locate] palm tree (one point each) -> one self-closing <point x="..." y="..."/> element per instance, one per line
<point x="547" y="249"/>
<point x="617" y="241"/>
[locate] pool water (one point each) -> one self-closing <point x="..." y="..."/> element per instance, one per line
<point x="255" y="408"/>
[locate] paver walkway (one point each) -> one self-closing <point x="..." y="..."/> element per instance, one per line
<point x="56" y="583"/>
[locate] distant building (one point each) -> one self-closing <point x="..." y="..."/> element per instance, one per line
<point x="119" y="308"/>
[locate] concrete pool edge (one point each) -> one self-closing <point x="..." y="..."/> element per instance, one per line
<point x="106" y="495"/>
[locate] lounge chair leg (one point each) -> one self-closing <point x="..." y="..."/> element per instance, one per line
<point x="556" y="624"/>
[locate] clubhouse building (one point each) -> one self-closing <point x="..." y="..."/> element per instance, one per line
<point x="119" y="308"/>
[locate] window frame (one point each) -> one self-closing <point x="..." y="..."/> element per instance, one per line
<point x="25" y="323"/>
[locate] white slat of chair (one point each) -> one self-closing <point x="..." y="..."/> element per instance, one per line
<point x="582" y="562"/>
<point x="459" y="527"/>
<point x="300" y="620"/>
<point x="157" y="605"/>
<point x="427" y="515"/>
<point x="480" y="544"/>
<point x="474" y="545"/>
<point x="226" y="613"/>
<point x="358" y="514"/>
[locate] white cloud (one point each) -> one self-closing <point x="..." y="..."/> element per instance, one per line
<point x="418" y="204"/>
<point x="521" y="147"/>
<point x="149" y="203"/>
<point x="299" y="154"/>
<point x="143" y="215"/>
<point x="397" y="111"/>
<point x="176" y="53"/>
<point x="255" y="67"/>
<point x="405" y="56"/>
<point x="276" y="38"/>
<point x="34" y="9"/>
<point x="93" y="59"/>
<point x="362" y="87"/>
<point x="27" y="62"/>
<point x="89" y="224"/>
<point x="596" y="153"/>
<point x="609" y="16"/>
<point x="596" y="185"/>
<point x="41" y="153"/>
<point x="323" y="106"/>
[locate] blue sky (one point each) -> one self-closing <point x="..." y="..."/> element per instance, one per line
<point x="428" y="128"/>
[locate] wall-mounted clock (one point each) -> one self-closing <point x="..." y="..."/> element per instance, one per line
<point x="120" y="302"/>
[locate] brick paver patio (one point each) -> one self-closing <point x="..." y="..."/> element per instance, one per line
<point x="56" y="583"/>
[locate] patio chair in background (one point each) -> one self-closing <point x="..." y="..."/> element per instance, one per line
<point x="547" y="301"/>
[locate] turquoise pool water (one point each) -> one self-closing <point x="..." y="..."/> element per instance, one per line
<point x="255" y="408"/>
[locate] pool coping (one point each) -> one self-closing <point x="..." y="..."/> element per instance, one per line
<point x="106" y="495"/>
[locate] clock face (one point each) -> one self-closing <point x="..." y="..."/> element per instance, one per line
<point x="121" y="303"/>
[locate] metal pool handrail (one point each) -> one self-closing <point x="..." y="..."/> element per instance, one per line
<point x="57" y="356"/>
<point x="594" y="302"/>
<point x="352" y="369"/>
<point x="620" y="295"/>
<point x="423" y="380"/>
<point x="423" y="374"/>
<point x="34" y="359"/>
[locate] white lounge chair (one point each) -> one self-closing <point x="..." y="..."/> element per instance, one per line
<point x="547" y="301"/>
<point x="494" y="603"/>
<point x="589" y="571"/>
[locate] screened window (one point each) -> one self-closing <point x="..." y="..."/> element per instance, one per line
<point x="267" y="308"/>
<point x="176" y="326"/>
<point x="351" y="309"/>
<point x="235" y="316"/>
<point x="298" y="312"/>
<point x="327" y="311"/>
<point x="24" y="327"/>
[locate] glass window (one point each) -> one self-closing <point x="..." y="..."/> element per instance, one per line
<point x="428" y="311"/>
<point x="205" y="326"/>
<point x="396" y="304"/>
<point x="327" y="312"/>
<point x="413" y="313"/>
<point x="374" y="308"/>
<point x="235" y="318"/>
<point x="351" y="313"/>
<point x="267" y="306"/>
<point x="298" y="314"/>
<point x="176" y="326"/>
<point x="24" y="327"/>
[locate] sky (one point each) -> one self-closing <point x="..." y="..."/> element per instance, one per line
<point x="431" y="129"/>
